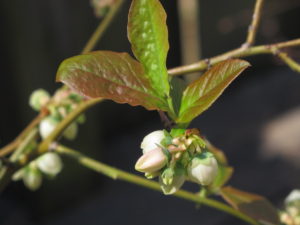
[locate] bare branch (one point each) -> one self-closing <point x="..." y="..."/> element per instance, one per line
<point x="252" y="30"/>
<point x="236" y="53"/>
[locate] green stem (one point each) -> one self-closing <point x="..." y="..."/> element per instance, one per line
<point x="59" y="129"/>
<point x="102" y="26"/>
<point x="90" y="45"/>
<point x="22" y="147"/>
<point x="115" y="173"/>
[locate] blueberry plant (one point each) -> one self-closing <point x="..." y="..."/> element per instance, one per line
<point x="171" y="156"/>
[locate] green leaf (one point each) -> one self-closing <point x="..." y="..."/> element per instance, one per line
<point x="253" y="205"/>
<point x="200" y="94"/>
<point x="110" y="75"/>
<point x="177" y="87"/>
<point x="148" y="35"/>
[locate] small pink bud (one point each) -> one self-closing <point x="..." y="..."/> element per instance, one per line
<point x="151" y="161"/>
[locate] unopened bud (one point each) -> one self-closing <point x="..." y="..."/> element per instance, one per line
<point x="151" y="141"/>
<point x="18" y="175"/>
<point x="173" y="184"/>
<point x="38" y="99"/>
<point x="176" y="141"/>
<point x="71" y="131"/>
<point x="167" y="176"/>
<point x="47" y="126"/>
<point x="286" y="218"/>
<point x="203" y="169"/>
<point x="32" y="178"/>
<point x="188" y="141"/>
<point x="151" y="161"/>
<point x="49" y="163"/>
<point x="293" y="197"/>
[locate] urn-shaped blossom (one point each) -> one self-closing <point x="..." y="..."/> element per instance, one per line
<point x="151" y="161"/>
<point x="47" y="126"/>
<point x="171" y="180"/>
<point x="32" y="177"/>
<point x="38" y="99"/>
<point x="152" y="140"/>
<point x="71" y="131"/>
<point x="203" y="168"/>
<point x="49" y="163"/>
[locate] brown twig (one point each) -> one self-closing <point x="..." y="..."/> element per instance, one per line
<point x="96" y="36"/>
<point x="236" y="53"/>
<point x="252" y="30"/>
<point x="18" y="140"/>
<point x="60" y="128"/>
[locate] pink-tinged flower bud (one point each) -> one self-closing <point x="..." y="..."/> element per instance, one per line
<point x="151" y="161"/>
<point x="203" y="169"/>
<point x="151" y="141"/>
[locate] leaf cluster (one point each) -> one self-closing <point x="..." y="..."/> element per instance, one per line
<point x="144" y="81"/>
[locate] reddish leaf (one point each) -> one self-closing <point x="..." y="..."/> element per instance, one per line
<point x="110" y="75"/>
<point x="200" y="94"/>
<point x="253" y="205"/>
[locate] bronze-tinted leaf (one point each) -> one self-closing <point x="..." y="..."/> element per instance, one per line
<point x="110" y="75"/>
<point x="253" y="205"/>
<point x="200" y="94"/>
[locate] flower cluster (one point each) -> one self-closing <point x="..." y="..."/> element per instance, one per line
<point x="58" y="107"/>
<point x="176" y="157"/>
<point x="49" y="165"/>
<point x="291" y="214"/>
<point x="62" y="103"/>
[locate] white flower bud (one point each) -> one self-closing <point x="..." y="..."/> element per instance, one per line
<point x="151" y="141"/>
<point x="46" y="127"/>
<point x="292" y="197"/>
<point x="32" y="178"/>
<point x="151" y="161"/>
<point x="49" y="163"/>
<point x="38" y="99"/>
<point x="71" y="131"/>
<point x="170" y="186"/>
<point x="203" y="169"/>
<point x="18" y="175"/>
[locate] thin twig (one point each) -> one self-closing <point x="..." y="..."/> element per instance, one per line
<point x="60" y="128"/>
<point x="236" y="53"/>
<point x="18" y="140"/>
<point x="289" y="61"/>
<point x="115" y="173"/>
<point x="252" y="30"/>
<point x="102" y="26"/>
<point x="22" y="147"/>
<point x="96" y="36"/>
<point x="7" y="172"/>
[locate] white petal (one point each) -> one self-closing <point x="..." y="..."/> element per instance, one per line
<point x="151" y="141"/>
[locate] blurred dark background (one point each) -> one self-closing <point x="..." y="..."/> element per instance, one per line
<point x="255" y="122"/>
